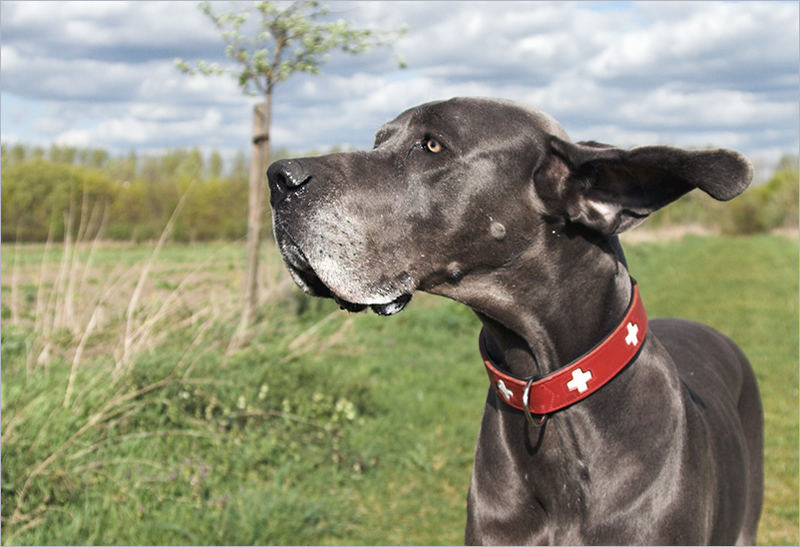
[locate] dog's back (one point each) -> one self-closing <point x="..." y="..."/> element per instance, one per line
<point x="721" y="385"/>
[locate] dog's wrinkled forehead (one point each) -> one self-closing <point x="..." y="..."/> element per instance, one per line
<point x="423" y="117"/>
<point x="466" y="119"/>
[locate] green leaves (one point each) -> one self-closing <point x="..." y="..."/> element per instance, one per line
<point x="270" y="42"/>
<point x="201" y="67"/>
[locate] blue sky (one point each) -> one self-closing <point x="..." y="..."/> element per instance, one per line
<point x="691" y="74"/>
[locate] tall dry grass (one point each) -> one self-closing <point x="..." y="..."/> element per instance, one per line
<point x="92" y="323"/>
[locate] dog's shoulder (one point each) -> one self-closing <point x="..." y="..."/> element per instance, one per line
<point x="707" y="361"/>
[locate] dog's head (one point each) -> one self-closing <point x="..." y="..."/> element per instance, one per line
<point x="464" y="186"/>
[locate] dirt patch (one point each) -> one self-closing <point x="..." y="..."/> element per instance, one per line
<point x="789" y="233"/>
<point x="674" y="233"/>
<point x="667" y="233"/>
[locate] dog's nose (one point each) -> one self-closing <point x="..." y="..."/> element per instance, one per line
<point x="285" y="177"/>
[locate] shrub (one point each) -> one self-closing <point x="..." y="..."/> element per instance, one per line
<point x="765" y="207"/>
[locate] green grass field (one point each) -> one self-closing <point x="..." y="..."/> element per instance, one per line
<point x="127" y="417"/>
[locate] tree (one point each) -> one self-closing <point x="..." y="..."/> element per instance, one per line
<point x="284" y="39"/>
<point x="215" y="165"/>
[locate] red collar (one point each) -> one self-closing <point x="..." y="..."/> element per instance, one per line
<point x="580" y="378"/>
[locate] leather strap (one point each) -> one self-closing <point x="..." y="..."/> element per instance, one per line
<point x="580" y="378"/>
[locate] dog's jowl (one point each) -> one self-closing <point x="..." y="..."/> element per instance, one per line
<point x="601" y="425"/>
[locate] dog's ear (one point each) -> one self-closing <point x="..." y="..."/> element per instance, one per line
<point x="612" y="190"/>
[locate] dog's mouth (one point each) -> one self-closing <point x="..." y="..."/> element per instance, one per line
<point x="306" y="278"/>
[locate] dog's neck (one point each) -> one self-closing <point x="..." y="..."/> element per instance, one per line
<point x="541" y="317"/>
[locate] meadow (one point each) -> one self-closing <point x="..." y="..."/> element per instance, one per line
<point x="129" y="418"/>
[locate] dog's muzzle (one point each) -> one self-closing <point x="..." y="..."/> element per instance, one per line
<point x="304" y="276"/>
<point x="287" y="177"/>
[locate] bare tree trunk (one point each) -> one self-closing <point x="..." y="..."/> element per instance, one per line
<point x="258" y="164"/>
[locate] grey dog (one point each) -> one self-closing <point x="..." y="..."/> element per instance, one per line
<point x="488" y="202"/>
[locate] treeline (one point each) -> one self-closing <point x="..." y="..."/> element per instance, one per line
<point x="131" y="198"/>
<point x="761" y="208"/>
<point x="127" y="198"/>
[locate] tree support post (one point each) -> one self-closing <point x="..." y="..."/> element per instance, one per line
<point x="258" y="163"/>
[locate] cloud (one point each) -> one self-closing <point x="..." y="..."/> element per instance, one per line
<point x="667" y="107"/>
<point x="110" y="31"/>
<point x="690" y="74"/>
<point x="705" y="69"/>
<point x="705" y="43"/>
<point x="133" y="128"/>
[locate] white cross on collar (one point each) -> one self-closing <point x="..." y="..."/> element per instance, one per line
<point x="507" y="393"/>
<point x="632" y="338"/>
<point x="579" y="380"/>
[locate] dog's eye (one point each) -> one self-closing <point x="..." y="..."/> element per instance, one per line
<point x="432" y="145"/>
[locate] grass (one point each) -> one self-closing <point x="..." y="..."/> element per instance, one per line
<point x="746" y="288"/>
<point x="328" y="427"/>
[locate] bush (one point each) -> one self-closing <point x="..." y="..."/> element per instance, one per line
<point x="38" y="195"/>
<point x="761" y="208"/>
<point x="766" y="207"/>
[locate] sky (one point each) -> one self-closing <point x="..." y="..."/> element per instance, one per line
<point x="696" y="74"/>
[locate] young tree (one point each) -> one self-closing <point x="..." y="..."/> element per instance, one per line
<point x="283" y="39"/>
<point x="215" y="165"/>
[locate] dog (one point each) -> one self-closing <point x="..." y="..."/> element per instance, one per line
<point x="600" y="427"/>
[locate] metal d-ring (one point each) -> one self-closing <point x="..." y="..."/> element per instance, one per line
<point x="539" y="420"/>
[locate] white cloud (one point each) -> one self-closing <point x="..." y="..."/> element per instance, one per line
<point x="683" y="73"/>
<point x="143" y="125"/>
<point x="669" y="107"/>
<point x="701" y="41"/>
<point x="97" y="28"/>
